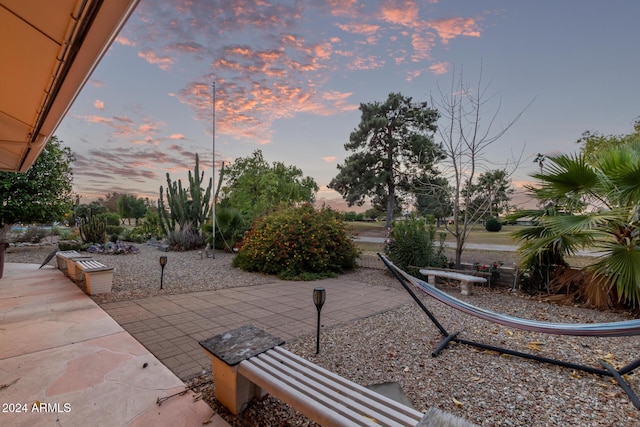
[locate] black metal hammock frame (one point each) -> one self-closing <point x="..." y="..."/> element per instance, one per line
<point x="611" y="329"/>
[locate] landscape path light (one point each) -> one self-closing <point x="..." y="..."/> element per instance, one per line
<point x="319" y="297"/>
<point x="163" y="262"/>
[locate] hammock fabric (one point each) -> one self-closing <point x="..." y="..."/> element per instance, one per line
<point x="612" y="329"/>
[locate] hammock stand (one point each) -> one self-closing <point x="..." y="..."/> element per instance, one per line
<point x="613" y="329"/>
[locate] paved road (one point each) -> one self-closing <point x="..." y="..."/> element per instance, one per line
<point x="499" y="248"/>
<point x="477" y="246"/>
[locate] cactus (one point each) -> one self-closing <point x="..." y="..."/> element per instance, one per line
<point x="93" y="229"/>
<point x="185" y="208"/>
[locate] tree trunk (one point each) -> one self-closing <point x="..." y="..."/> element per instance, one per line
<point x="459" y="250"/>
<point x="390" y="206"/>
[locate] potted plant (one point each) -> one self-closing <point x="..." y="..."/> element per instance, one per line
<point x="4" y="230"/>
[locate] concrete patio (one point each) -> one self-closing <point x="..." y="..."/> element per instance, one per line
<point x="64" y="361"/>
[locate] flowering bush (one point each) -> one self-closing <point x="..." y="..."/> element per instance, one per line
<point x="489" y="268"/>
<point x="298" y="243"/>
<point x="411" y="243"/>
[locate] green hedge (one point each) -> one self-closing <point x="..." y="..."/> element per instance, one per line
<point x="493" y="225"/>
<point x="411" y="244"/>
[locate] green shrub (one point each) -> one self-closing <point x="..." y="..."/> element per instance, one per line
<point x="298" y="243"/>
<point x="114" y="229"/>
<point x="130" y="235"/>
<point x="493" y="225"/>
<point x="67" y="234"/>
<point x="411" y="244"/>
<point x="69" y="245"/>
<point x="350" y="216"/>
<point x="149" y="227"/>
<point x="230" y="227"/>
<point x="111" y="218"/>
<point x="126" y="235"/>
<point x="32" y="234"/>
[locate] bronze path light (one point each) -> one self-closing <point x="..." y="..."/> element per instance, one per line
<point x="319" y="297"/>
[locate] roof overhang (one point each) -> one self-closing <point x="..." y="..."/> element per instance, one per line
<point x="48" y="49"/>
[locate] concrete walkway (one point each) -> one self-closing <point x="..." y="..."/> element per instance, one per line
<point x="65" y="362"/>
<point x="171" y="326"/>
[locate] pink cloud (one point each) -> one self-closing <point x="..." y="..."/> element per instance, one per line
<point x="439" y="68"/>
<point x="344" y="8"/>
<point x="370" y="62"/>
<point x="359" y="28"/>
<point x="413" y="74"/>
<point x="283" y="70"/>
<point x="149" y="55"/>
<point x="125" y="127"/>
<point x="98" y="104"/>
<point x="404" y="13"/>
<point x="132" y="164"/>
<point x="422" y="45"/>
<point x="269" y="60"/>
<point x="187" y="47"/>
<point x="451" y="28"/>
<point x="124" y="41"/>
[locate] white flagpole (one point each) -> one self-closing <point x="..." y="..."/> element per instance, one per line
<point x="213" y="175"/>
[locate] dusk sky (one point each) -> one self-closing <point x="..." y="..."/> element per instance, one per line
<point x="290" y="76"/>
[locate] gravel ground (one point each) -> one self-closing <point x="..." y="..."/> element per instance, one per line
<point x="481" y="386"/>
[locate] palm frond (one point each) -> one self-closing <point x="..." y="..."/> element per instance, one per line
<point x="567" y="175"/>
<point x="621" y="267"/>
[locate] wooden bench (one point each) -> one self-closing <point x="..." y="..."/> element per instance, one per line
<point x="247" y="363"/>
<point x="466" y="280"/>
<point x="98" y="278"/>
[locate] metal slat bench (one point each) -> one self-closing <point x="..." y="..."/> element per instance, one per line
<point x="248" y="363"/>
<point x="466" y="281"/>
<point x="322" y="395"/>
<point x="73" y="271"/>
<point x="63" y="258"/>
<point x="98" y="278"/>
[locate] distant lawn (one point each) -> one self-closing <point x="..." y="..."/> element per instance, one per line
<point x="478" y="233"/>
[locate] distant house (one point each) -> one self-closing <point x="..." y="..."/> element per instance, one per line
<point x="525" y="220"/>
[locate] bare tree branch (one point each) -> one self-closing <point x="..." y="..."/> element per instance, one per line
<point x="465" y="136"/>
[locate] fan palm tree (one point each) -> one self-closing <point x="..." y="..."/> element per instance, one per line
<point x="593" y="205"/>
